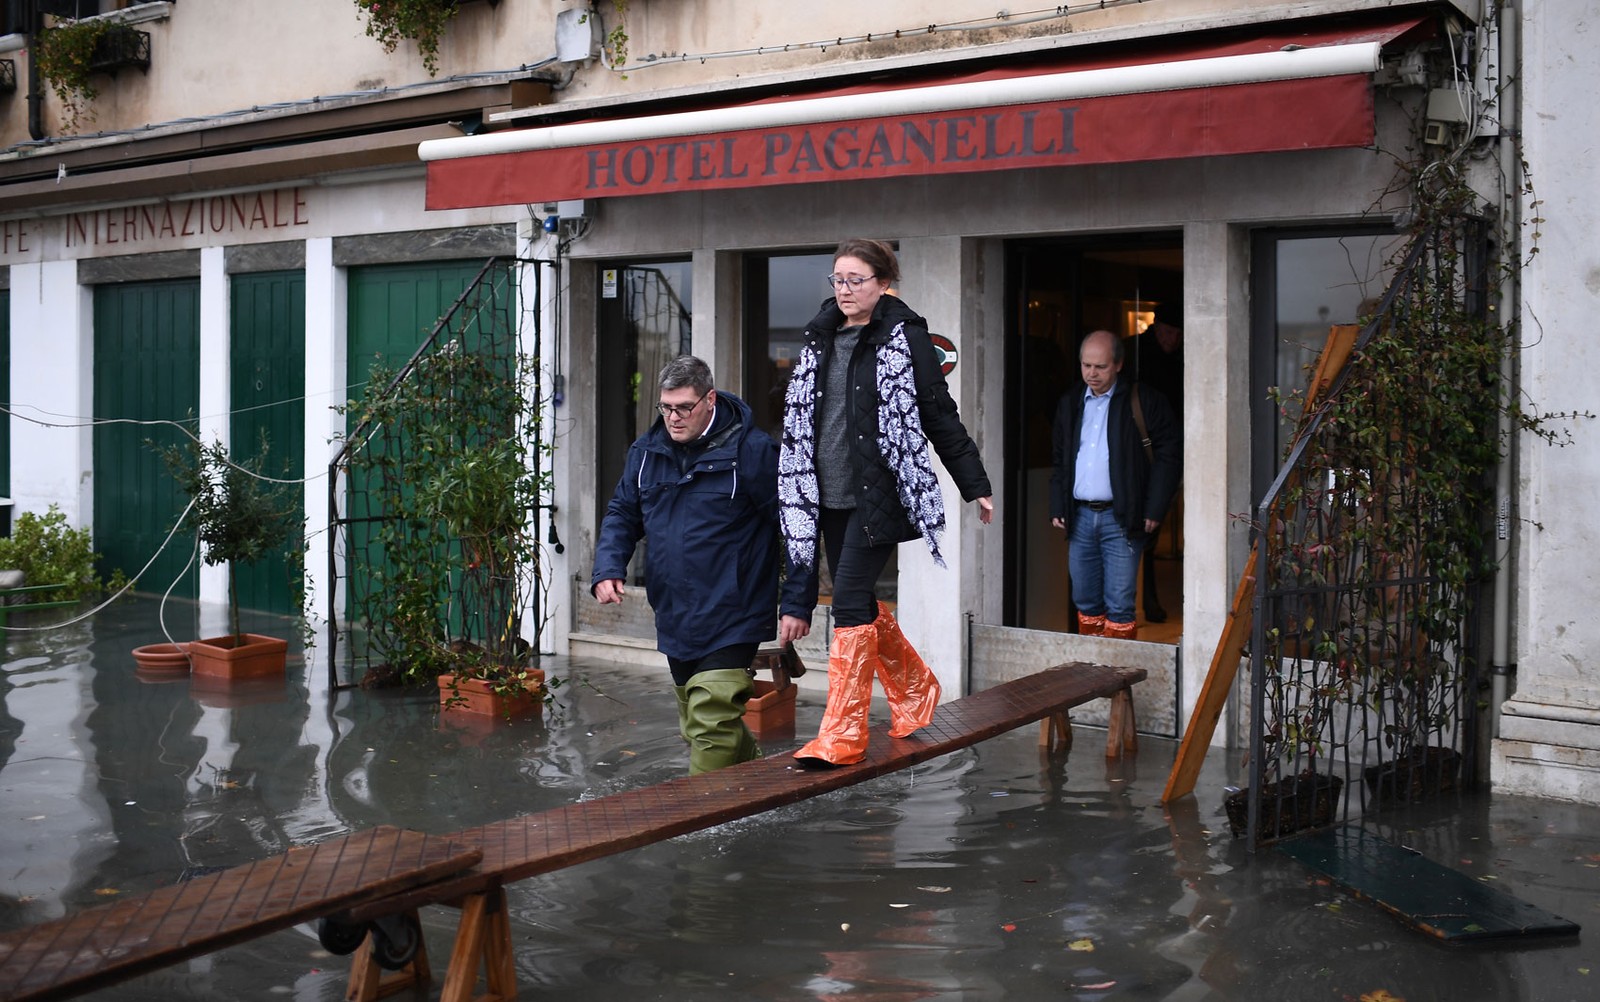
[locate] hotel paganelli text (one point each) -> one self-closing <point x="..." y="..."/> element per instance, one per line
<point x="1120" y="128"/>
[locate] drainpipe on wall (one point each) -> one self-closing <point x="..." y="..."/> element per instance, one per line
<point x="1501" y="669"/>
<point x="35" y="21"/>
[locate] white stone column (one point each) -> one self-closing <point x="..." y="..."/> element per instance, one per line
<point x="534" y="244"/>
<point x="941" y="279"/>
<point x="1216" y="448"/>
<point x="1549" y="741"/>
<point x="327" y="309"/>
<point x="216" y="404"/>
<point x="52" y="390"/>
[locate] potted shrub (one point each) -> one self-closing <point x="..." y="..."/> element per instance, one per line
<point x="480" y="492"/>
<point x="449" y="457"/>
<point x="1298" y="789"/>
<point x="240" y="517"/>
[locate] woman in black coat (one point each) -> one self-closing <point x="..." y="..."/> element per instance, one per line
<point x="867" y="398"/>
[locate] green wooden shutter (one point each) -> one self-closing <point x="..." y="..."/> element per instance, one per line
<point x="268" y="359"/>
<point x="5" y="394"/>
<point x="146" y="369"/>
<point x="393" y="309"/>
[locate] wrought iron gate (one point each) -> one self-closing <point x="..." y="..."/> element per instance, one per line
<point x="377" y="505"/>
<point x="1371" y="549"/>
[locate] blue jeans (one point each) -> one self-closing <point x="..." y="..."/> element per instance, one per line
<point x="1105" y="565"/>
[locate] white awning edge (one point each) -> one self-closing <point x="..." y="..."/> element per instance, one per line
<point x="1185" y="74"/>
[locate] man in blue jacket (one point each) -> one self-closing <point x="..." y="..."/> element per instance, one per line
<point x="702" y="486"/>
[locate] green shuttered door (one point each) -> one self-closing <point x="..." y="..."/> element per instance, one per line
<point x="393" y="309"/>
<point x="268" y="351"/>
<point x="146" y="369"/>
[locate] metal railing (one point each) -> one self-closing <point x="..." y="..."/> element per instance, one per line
<point x="372" y="469"/>
<point x="1364" y="675"/>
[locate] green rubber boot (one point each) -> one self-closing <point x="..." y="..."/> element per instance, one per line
<point x="682" y="692"/>
<point x="715" y="720"/>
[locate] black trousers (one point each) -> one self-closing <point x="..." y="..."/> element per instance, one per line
<point x="732" y="656"/>
<point x="855" y="563"/>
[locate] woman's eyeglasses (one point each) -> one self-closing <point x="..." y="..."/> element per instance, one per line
<point x="854" y="281"/>
<point x="679" y="410"/>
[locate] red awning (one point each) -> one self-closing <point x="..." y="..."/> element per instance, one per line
<point x="947" y="127"/>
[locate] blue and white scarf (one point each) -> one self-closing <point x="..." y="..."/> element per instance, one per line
<point x="900" y="441"/>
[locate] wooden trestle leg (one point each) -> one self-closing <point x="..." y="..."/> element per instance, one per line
<point x="1055" y="732"/>
<point x="484" y="937"/>
<point x="1120" y="733"/>
<point x="369" y="982"/>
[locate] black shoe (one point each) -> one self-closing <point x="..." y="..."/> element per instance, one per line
<point x="1155" y="614"/>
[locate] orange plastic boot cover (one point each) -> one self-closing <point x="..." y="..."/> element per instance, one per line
<point x="1091" y="626"/>
<point x="842" y="738"/>
<point x="911" y="686"/>
<point x="1122" y="631"/>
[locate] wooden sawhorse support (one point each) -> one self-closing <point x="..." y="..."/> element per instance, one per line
<point x="483" y="945"/>
<point x="1055" y="731"/>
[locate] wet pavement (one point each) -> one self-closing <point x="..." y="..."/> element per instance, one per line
<point x="992" y="873"/>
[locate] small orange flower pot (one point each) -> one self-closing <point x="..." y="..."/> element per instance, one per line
<point x="478" y="697"/>
<point x="771" y="710"/>
<point x="257" y="657"/>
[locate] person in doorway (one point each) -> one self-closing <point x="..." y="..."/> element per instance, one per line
<point x="1111" y="483"/>
<point x="701" y="485"/>
<point x="1157" y="362"/>
<point x="867" y="397"/>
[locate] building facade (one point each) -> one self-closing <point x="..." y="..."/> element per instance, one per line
<point x="235" y="237"/>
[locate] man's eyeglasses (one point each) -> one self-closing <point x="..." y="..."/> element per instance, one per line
<point x="679" y="410"/>
<point x="854" y="281"/>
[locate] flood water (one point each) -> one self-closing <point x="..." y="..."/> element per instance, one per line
<point x="993" y="873"/>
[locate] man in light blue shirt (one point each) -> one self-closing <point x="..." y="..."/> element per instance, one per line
<point x="1110" y="487"/>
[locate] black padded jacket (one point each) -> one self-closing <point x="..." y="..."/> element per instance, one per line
<point x="877" y="495"/>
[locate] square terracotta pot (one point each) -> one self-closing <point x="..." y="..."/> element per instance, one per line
<point x="257" y="657"/>
<point x="475" y="696"/>
<point x="771" y="710"/>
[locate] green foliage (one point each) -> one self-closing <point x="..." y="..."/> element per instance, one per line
<point x="1377" y="544"/>
<point x="64" y="53"/>
<point x="422" y="21"/>
<point x="452" y="465"/>
<point x="616" y="40"/>
<point x="617" y="37"/>
<point x="239" y="514"/>
<point x="49" y="551"/>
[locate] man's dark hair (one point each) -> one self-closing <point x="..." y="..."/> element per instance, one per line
<point x="686" y="370"/>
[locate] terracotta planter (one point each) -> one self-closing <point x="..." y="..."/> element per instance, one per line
<point x="159" y="660"/>
<point x="770" y="712"/>
<point x="256" y="657"/>
<point x="476" y="697"/>
<point x="1287" y="806"/>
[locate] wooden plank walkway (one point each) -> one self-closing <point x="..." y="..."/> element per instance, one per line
<point x="102" y="946"/>
<point x="533" y="844"/>
<point x="388" y="872"/>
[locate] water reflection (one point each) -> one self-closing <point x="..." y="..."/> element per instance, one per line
<point x="996" y="872"/>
